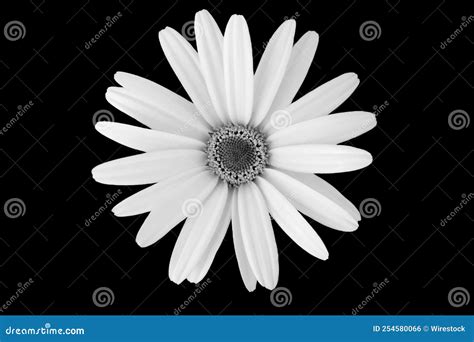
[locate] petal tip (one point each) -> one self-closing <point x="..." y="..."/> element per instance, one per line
<point x="238" y="18"/>
<point x="251" y="288"/>
<point x="353" y="227"/>
<point x="111" y="90"/>
<point x="352" y="75"/>
<point x="162" y="34"/>
<point x="175" y="276"/>
<point x="94" y="172"/>
<point x="101" y="126"/>
<point x="203" y="12"/>
<point x="141" y="241"/>
<point x="119" y="75"/>
<point x="116" y="210"/>
<point x="270" y="286"/>
<point x="369" y="157"/>
<point x="312" y="35"/>
<point x="192" y="280"/>
<point x="175" y="280"/>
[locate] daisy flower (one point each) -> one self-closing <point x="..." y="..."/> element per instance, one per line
<point x="240" y="152"/>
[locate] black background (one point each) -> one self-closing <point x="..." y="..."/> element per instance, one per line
<point x="421" y="165"/>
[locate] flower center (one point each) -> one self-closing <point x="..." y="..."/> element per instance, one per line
<point x="237" y="154"/>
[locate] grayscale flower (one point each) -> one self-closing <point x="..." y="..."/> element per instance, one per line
<point x="241" y="151"/>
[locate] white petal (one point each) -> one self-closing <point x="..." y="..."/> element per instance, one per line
<point x="197" y="234"/>
<point x="311" y="203"/>
<point x="152" y="116"/>
<point x="329" y="129"/>
<point x="185" y="63"/>
<point x="238" y="70"/>
<point x="324" y="99"/>
<point x="319" y="158"/>
<point x="209" y="41"/>
<point x="170" y="207"/>
<point x="202" y="267"/>
<point x="321" y="101"/>
<point x="144" y="139"/>
<point x="149" y="167"/>
<point x="327" y="190"/>
<point x="300" y="61"/>
<point x="163" y="99"/>
<point x="144" y="200"/>
<point x="271" y="69"/>
<point x="291" y="221"/>
<point x="257" y="235"/>
<point x="246" y="272"/>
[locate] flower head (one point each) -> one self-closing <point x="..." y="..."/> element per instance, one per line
<point x="239" y="151"/>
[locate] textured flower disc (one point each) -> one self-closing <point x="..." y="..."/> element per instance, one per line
<point x="237" y="154"/>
